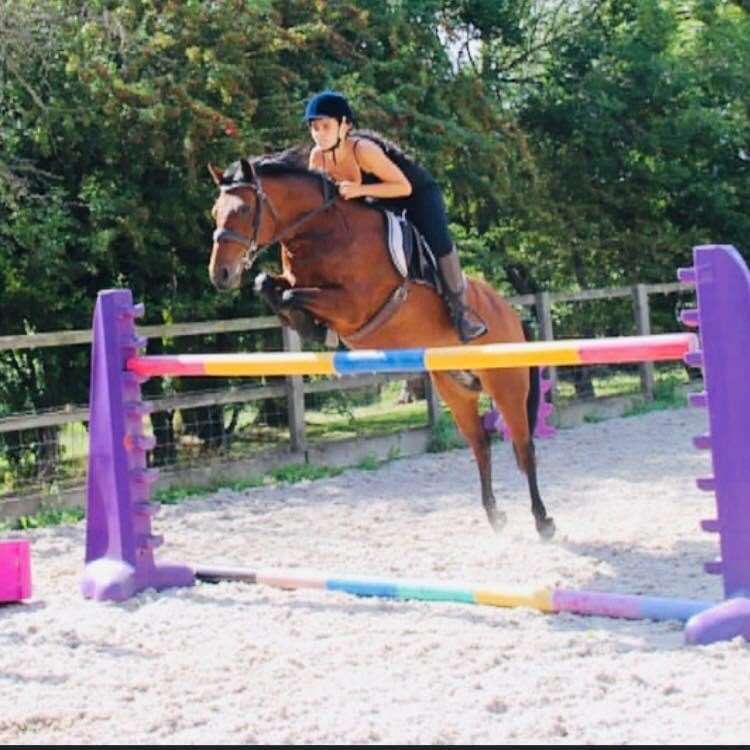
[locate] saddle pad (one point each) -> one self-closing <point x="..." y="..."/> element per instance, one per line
<point x="398" y="238"/>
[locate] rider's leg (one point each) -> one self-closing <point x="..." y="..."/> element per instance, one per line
<point x="468" y="325"/>
<point x="427" y="211"/>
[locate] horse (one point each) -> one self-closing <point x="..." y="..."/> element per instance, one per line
<point x="336" y="273"/>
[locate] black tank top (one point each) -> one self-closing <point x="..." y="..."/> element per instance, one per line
<point x="417" y="175"/>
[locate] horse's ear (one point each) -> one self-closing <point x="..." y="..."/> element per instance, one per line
<point x="215" y="173"/>
<point x="248" y="171"/>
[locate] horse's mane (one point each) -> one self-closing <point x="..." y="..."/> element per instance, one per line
<point x="291" y="161"/>
<point x="294" y="160"/>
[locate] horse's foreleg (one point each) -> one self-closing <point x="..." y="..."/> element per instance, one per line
<point x="272" y="289"/>
<point x="463" y="404"/>
<point x="326" y="303"/>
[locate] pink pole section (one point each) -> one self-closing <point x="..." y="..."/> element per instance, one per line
<point x="165" y="364"/>
<point x="665" y="347"/>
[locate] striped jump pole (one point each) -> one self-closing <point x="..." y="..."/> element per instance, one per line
<point x="599" y="604"/>
<point x="120" y="544"/>
<point x="666" y="347"/>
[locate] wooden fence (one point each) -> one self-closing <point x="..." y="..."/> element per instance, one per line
<point x="294" y="388"/>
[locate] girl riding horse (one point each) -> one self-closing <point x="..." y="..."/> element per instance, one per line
<point x="335" y="270"/>
<point x="365" y="165"/>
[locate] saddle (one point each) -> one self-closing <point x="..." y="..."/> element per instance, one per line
<point x="414" y="260"/>
<point x="409" y="252"/>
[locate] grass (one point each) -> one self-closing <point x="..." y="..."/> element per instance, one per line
<point x="368" y="463"/>
<point x="614" y="383"/>
<point x="667" y="395"/>
<point x="445" y="436"/>
<point x="44" y="517"/>
<point x="290" y="473"/>
<point x="593" y="418"/>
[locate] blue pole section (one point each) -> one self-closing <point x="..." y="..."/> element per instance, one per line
<point x="377" y="360"/>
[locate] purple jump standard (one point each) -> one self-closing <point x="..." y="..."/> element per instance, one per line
<point x="119" y="543"/>
<point x="722" y="286"/>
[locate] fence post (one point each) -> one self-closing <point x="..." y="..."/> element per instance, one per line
<point x="433" y="402"/>
<point x="642" y="315"/>
<point x="543" y="305"/>
<point x="295" y="394"/>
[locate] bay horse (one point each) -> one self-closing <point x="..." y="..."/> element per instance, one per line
<point x="336" y="272"/>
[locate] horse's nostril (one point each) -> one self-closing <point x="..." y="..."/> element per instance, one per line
<point x="224" y="275"/>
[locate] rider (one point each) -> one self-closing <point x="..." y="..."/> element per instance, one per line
<point x="364" y="164"/>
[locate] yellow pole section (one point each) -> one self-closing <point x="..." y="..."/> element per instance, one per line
<point x="272" y="363"/>
<point x="540" y="600"/>
<point x="502" y="355"/>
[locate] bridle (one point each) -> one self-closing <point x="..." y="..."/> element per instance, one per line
<point x="252" y="249"/>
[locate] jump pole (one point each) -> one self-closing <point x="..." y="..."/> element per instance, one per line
<point x="120" y="545"/>
<point x="625" y="606"/>
<point x="666" y="347"/>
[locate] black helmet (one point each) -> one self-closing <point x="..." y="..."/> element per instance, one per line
<point x="328" y="104"/>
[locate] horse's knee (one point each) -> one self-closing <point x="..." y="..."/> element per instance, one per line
<point x="293" y="299"/>
<point x="268" y="289"/>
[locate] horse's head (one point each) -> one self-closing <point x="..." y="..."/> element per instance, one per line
<point x="246" y="219"/>
<point x="237" y="213"/>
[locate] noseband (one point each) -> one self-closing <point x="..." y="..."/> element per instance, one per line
<point x="252" y="249"/>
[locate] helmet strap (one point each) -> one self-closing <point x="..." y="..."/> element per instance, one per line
<point x="333" y="148"/>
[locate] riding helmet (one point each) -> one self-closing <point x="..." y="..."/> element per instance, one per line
<point x="328" y="104"/>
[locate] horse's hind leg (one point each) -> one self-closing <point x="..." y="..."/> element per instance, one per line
<point x="463" y="404"/>
<point x="509" y="390"/>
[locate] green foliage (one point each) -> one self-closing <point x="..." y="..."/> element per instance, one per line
<point x="641" y="137"/>
<point x="369" y="463"/>
<point x="289" y="473"/>
<point x="667" y="395"/>
<point x="445" y="436"/>
<point x="47" y="517"/>
<point x="593" y="418"/>
<point x="175" y="495"/>
<point x="300" y="472"/>
<point x="579" y="145"/>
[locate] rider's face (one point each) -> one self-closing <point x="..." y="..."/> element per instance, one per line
<point x="324" y="131"/>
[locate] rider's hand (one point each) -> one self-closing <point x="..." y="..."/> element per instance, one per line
<point x="349" y="189"/>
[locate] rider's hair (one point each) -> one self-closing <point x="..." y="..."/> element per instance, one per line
<point x="385" y="143"/>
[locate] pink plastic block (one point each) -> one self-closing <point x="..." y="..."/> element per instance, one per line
<point x="15" y="570"/>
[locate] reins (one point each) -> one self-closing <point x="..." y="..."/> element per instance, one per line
<point x="252" y="249"/>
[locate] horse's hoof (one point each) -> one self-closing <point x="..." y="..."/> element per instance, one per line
<point x="546" y="528"/>
<point x="292" y="299"/>
<point x="498" y="519"/>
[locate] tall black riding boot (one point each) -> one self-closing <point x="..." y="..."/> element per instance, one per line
<point x="467" y="324"/>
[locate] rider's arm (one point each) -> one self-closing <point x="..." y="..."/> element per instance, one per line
<point x="371" y="158"/>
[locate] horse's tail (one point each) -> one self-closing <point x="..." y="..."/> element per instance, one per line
<point x="532" y="400"/>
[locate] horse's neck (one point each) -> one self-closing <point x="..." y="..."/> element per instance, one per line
<point x="292" y="197"/>
<point x="342" y="246"/>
